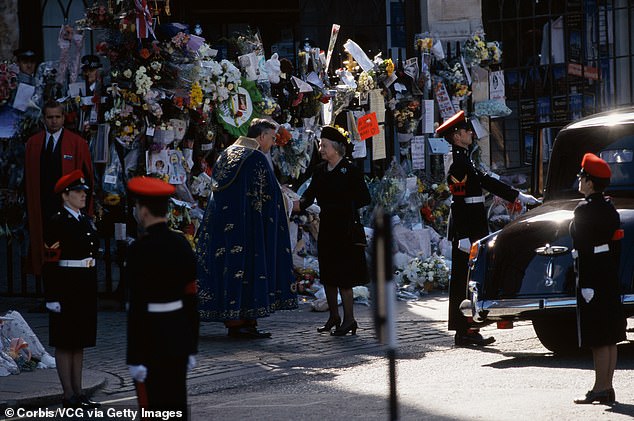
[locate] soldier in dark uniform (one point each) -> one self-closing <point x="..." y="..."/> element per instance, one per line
<point x="70" y="286"/>
<point x="162" y="316"/>
<point x="468" y="221"/>
<point x="600" y="319"/>
<point x="27" y="63"/>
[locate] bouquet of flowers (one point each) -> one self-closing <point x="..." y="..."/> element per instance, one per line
<point x="425" y="274"/>
<point x="455" y="80"/>
<point x="407" y="115"/>
<point x="8" y="82"/>
<point x="384" y="67"/>
<point x="96" y="16"/>
<point x="293" y="157"/>
<point x="495" y="52"/>
<point x="475" y="51"/>
<point x="123" y="122"/>
<point x="434" y="209"/>
<point x="366" y="81"/>
<point x="219" y="80"/>
<point x="425" y="43"/>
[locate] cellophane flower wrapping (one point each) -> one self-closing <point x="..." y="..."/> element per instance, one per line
<point x="424" y="274"/>
<point x="293" y="158"/>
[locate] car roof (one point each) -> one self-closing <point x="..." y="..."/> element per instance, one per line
<point x="607" y="118"/>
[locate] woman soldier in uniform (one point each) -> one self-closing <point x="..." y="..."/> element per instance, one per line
<point x="601" y="322"/>
<point x="70" y="284"/>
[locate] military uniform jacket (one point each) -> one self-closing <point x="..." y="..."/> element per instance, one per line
<point x="160" y="269"/>
<point x="601" y="321"/>
<point x="75" y="288"/>
<point x="468" y="220"/>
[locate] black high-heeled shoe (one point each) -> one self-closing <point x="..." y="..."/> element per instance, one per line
<point x="332" y="322"/>
<point x="602" y="396"/>
<point x="343" y="330"/>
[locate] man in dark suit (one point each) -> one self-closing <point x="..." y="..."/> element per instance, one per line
<point x="468" y="221"/>
<point x="50" y="154"/>
<point x="162" y="315"/>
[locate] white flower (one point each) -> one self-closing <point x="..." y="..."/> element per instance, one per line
<point x="127" y="73"/>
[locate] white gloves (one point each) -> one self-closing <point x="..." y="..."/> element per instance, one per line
<point x="138" y="372"/>
<point x="191" y="362"/>
<point x="527" y="199"/>
<point x="464" y="244"/>
<point x="54" y="306"/>
<point x="587" y="294"/>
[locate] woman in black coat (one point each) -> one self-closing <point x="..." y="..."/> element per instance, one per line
<point x="600" y="319"/>
<point x="340" y="191"/>
<point x="70" y="286"/>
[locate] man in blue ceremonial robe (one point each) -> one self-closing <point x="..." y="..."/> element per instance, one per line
<point x="243" y="252"/>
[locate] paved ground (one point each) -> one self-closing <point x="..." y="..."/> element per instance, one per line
<point x="223" y="360"/>
<point x="302" y="375"/>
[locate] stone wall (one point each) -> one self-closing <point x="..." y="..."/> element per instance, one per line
<point x="9" y="28"/>
<point x="454" y="19"/>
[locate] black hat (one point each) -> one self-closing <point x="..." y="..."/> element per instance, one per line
<point x="24" y="53"/>
<point x="90" y="61"/>
<point x="332" y="133"/>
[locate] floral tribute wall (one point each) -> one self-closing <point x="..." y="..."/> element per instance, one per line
<point x="166" y="102"/>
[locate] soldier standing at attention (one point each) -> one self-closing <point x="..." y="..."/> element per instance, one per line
<point x="70" y="286"/>
<point x="468" y="221"/>
<point x="162" y="315"/>
<point x="601" y="322"/>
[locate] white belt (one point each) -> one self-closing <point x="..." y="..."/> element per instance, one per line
<point x="601" y="249"/>
<point x="474" y="199"/>
<point x="165" y="307"/>
<point x="88" y="262"/>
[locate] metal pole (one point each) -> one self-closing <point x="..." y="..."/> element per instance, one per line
<point x="384" y="297"/>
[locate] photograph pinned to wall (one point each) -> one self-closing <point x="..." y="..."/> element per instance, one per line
<point x="176" y="170"/>
<point x="157" y="162"/>
<point x="242" y="102"/>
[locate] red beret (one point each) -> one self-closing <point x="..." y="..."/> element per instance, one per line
<point x="150" y="186"/>
<point x="595" y="166"/>
<point x="458" y="121"/>
<point x="74" y="180"/>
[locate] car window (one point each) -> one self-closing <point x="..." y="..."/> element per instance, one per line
<point x="615" y="144"/>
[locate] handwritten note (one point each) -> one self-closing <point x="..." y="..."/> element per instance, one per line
<point x="368" y="126"/>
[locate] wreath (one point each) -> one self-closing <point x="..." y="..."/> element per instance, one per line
<point x="235" y="114"/>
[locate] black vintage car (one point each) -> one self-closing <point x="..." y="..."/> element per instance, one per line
<point x="525" y="270"/>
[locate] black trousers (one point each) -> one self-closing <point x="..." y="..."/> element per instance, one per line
<point x="166" y="384"/>
<point x="458" y="288"/>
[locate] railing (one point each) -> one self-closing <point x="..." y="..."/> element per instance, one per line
<point x="14" y="281"/>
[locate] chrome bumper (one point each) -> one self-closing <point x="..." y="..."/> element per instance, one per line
<point x="515" y="308"/>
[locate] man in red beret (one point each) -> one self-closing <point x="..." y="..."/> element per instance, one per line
<point x="50" y="154"/>
<point x="161" y="274"/>
<point x="468" y="221"/>
<point x="601" y="322"/>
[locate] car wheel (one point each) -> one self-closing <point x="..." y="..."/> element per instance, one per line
<point x="558" y="334"/>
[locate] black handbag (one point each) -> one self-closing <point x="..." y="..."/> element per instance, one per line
<point x="357" y="232"/>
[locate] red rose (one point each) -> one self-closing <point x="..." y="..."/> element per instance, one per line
<point x="144" y="53"/>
